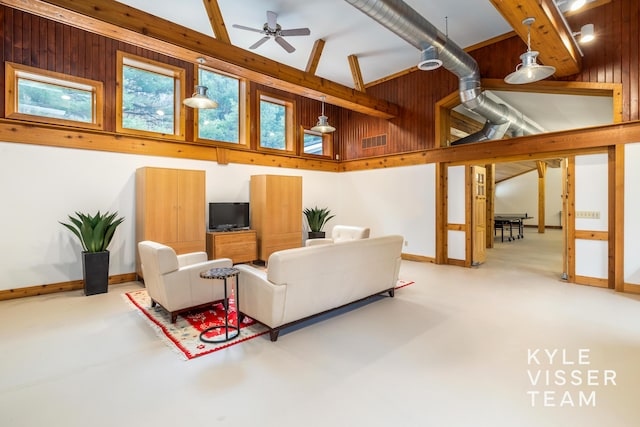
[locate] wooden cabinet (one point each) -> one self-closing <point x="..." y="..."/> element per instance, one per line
<point x="241" y="246"/>
<point x="276" y="212"/>
<point x="170" y="208"/>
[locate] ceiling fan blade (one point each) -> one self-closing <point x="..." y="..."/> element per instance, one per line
<point x="259" y="42"/>
<point x="285" y="45"/>
<point x="272" y="19"/>
<point x="242" y="27"/>
<point x="296" y="32"/>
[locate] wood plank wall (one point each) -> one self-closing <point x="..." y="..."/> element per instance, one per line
<point x="612" y="58"/>
<point x="43" y="43"/>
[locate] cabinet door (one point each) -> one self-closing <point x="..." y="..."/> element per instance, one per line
<point x="161" y="200"/>
<point x="191" y="206"/>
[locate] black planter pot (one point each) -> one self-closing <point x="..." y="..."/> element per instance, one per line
<point x="95" y="272"/>
<point x="316" y="234"/>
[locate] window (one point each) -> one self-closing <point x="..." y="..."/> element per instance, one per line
<point x="225" y="123"/>
<point x="50" y="97"/>
<point x="149" y="97"/>
<point x="276" y="123"/>
<point x="316" y="143"/>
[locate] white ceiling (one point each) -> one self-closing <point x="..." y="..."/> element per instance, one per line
<point x="381" y="53"/>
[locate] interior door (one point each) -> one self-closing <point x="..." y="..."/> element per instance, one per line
<point x="478" y="214"/>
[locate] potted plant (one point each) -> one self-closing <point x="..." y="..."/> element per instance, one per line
<point x="95" y="233"/>
<point x="317" y="218"/>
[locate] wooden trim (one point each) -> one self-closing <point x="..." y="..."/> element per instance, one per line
<point x="356" y="74"/>
<point x="179" y="76"/>
<point x="57" y="136"/>
<point x="124" y="23"/>
<point x="216" y="20"/>
<point x="591" y="235"/>
<point x="441" y="212"/>
<point x="616" y="218"/>
<point x="290" y="119"/>
<point x="631" y="288"/>
<point x="243" y="106"/>
<point x="491" y="198"/>
<point x="418" y="258"/>
<point x="592" y="281"/>
<point x="60" y="287"/>
<point x="457" y="227"/>
<point x="542" y="172"/>
<point x="314" y="56"/>
<point x="571" y="223"/>
<point x="457" y="262"/>
<point x="14" y="71"/>
<point x="468" y="215"/>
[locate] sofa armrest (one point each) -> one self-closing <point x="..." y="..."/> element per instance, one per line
<point x="191" y="258"/>
<point x="261" y="299"/>
<point x="314" y="242"/>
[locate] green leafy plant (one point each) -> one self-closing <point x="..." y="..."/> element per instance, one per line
<point x="95" y="232"/>
<point x="317" y="218"/>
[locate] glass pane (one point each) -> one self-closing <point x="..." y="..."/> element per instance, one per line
<point x="312" y="143"/>
<point x="222" y="123"/>
<point x="57" y="102"/>
<point x="272" y="125"/>
<point x="147" y="101"/>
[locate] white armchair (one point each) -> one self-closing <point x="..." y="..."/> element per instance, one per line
<point x="174" y="281"/>
<point x="341" y="233"/>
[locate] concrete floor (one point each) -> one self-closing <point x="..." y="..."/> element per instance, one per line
<point x="460" y="347"/>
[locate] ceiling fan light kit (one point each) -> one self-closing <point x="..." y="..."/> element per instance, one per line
<point x="529" y="71"/>
<point x="323" y="125"/>
<point x="199" y="99"/>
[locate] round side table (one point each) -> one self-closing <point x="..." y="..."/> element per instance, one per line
<point x="230" y="331"/>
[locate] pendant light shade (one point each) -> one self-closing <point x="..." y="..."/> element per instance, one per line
<point x="529" y="71"/>
<point x="323" y="125"/>
<point x="199" y="99"/>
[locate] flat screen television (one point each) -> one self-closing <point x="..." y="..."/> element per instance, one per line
<point x="227" y="216"/>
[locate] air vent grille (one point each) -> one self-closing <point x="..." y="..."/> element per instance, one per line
<point x="374" y="141"/>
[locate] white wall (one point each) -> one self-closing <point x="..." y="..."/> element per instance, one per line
<point x="456" y="213"/>
<point x="591" y="194"/>
<point x="40" y="186"/>
<point x="632" y="213"/>
<point x="520" y="195"/>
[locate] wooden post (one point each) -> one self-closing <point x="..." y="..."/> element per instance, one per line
<point x="542" y="171"/>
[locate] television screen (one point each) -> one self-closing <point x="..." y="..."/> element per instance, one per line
<point x="228" y="215"/>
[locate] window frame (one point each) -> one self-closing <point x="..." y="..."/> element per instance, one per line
<point x="327" y="144"/>
<point x="179" y="87"/>
<point x="14" y="71"/>
<point x="289" y="122"/>
<point x="243" y="120"/>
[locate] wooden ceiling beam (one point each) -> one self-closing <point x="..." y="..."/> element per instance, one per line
<point x="314" y="57"/>
<point x="550" y="34"/>
<point x="121" y="22"/>
<point x="216" y="20"/>
<point x="356" y="74"/>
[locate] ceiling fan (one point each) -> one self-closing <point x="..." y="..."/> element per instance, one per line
<point x="271" y="28"/>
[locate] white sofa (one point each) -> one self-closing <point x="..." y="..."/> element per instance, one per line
<point x="174" y="281"/>
<point x="302" y="282"/>
<point x="341" y="233"/>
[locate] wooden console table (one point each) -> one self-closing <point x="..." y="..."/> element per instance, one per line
<point x="241" y="246"/>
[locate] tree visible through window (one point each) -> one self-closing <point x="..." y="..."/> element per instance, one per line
<point x="272" y="125"/>
<point x="147" y="100"/>
<point x="222" y="123"/>
<point x="149" y="95"/>
<point x="52" y="97"/>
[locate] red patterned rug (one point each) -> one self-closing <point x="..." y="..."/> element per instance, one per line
<point x="184" y="335"/>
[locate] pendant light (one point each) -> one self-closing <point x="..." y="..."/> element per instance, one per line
<point x="199" y="99"/>
<point x="529" y="71"/>
<point x="323" y="125"/>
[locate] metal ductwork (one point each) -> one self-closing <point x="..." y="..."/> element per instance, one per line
<point x="436" y="48"/>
